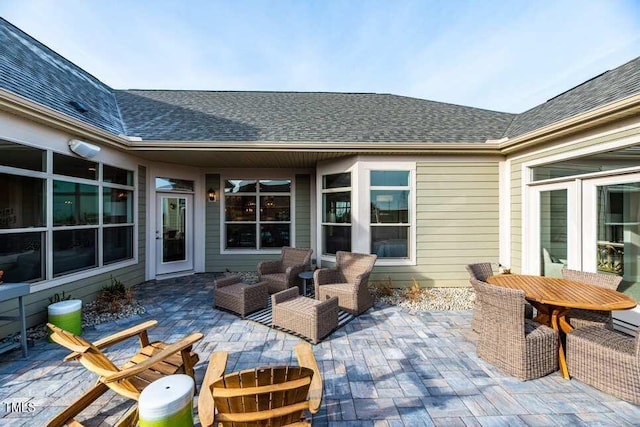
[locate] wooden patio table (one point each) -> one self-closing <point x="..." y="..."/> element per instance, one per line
<point x="553" y="297"/>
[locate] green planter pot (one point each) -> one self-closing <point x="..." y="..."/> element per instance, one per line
<point x="67" y="315"/>
<point x="167" y="402"/>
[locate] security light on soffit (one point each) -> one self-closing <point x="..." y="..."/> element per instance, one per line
<point x="83" y="149"/>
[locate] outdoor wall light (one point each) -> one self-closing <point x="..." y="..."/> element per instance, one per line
<point x="211" y="195"/>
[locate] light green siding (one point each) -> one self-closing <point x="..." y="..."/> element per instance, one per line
<point x="85" y="289"/>
<point x="217" y="262"/>
<point x="457" y="214"/>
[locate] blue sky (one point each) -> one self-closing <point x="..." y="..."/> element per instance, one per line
<point x="505" y="56"/>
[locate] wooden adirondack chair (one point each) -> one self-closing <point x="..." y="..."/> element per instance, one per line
<point x="154" y="360"/>
<point x="274" y="396"/>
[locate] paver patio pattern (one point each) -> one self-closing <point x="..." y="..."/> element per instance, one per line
<point x="388" y="367"/>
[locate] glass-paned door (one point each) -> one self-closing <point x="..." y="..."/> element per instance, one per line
<point x="553" y="210"/>
<point x="612" y="229"/>
<point x="611" y="212"/>
<point x="174" y="236"/>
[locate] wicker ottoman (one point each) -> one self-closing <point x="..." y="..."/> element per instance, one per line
<point x="242" y="298"/>
<point x="306" y="316"/>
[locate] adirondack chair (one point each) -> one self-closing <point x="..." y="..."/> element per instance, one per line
<point x="154" y="360"/>
<point x="274" y="396"/>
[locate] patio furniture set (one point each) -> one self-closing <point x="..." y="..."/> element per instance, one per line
<point x="573" y="312"/>
<point x="261" y="396"/>
<point x="274" y="396"/>
<point x="284" y="282"/>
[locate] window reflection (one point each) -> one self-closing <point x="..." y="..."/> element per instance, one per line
<point x="22" y="201"/>
<point x="117" y="206"/>
<point x="74" y="250"/>
<point x="21" y="257"/>
<point x="74" y="203"/>
<point x="117" y="244"/>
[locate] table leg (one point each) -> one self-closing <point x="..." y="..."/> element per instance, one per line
<point x="558" y="323"/>
<point x="304" y="285"/>
<point x="23" y="326"/>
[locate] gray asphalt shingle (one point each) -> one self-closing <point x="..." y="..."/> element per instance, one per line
<point x="303" y="116"/>
<point x="32" y="70"/>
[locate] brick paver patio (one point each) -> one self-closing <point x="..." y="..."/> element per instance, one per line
<point x="388" y="367"/>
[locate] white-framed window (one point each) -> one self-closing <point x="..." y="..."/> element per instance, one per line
<point x="257" y="214"/>
<point x="390" y="213"/>
<point x="336" y="213"/>
<point x="61" y="214"/>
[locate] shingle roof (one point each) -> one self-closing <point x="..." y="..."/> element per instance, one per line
<point x="32" y="70"/>
<point x="303" y="116"/>
<point x="612" y="85"/>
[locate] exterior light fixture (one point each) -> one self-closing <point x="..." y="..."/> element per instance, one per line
<point x="211" y="195"/>
<point x="83" y="149"/>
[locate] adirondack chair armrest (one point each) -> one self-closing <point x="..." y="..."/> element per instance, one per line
<point x="140" y="330"/>
<point x="179" y="346"/>
<point x="215" y="371"/>
<point x="305" y="356"/>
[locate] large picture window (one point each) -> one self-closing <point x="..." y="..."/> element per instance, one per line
<point x="336" y="213"/>
<point x="390" y="213"/>
<point x="91" y="211"/>
<point x="257" y="213"/>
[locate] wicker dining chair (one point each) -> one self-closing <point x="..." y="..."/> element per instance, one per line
<point x="521" y="347"/>
<point x="605" y="359"/>
<point x="579" y="318"/>
<point x="480" y="271"/>
<point x="283" y="273"/>
<point x="348" y="281"/>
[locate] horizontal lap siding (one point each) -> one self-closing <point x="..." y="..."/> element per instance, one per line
<point x="84" y="289"/>
<point x="218" y="262"/>
<point x="457" y="214"/>
<point x="303" y="211"/>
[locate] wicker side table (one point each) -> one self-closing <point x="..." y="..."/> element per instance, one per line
<point x="306" y="316"/>
<point x="232" y="294"/>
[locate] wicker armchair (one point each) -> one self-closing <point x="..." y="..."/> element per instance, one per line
<point x="580" y="318"/>
<point x="283" y="273"/>
<point x="480" y="271"/>
<point x="348" y="281"/>
<point x="521" y="347"/>
<point x="607" y="360"/>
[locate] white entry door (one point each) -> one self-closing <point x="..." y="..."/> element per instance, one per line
<point x="174" y="233"/>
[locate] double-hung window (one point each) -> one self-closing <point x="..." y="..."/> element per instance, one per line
<point x="336" y="213"/>
<point x="257" y="213"/>
<point x="390" y="217"/>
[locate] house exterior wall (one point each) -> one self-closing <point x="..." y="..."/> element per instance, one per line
<point x="83" y="285"/>
<point x="603" y="139"/>
<point x="219" y="261"/>
<point x="457" y="223"/>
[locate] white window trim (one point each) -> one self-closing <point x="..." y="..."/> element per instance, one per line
<point x="256" y="176"/>
<point x="360" y="199"/>
<point x="364" y="198"/>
